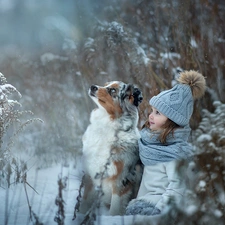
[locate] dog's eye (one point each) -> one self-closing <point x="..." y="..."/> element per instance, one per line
<point x="112" y="90"/>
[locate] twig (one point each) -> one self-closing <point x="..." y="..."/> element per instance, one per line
<point x="77" y="206"/>
<point x="60" y="214"/>
<point x="31" y="187"/>
<point x="28" y="202"/>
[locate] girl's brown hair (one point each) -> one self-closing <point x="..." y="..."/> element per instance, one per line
<point x="168" y="128"/>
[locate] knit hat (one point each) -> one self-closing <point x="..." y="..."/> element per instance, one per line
<point x="177" y="103"/>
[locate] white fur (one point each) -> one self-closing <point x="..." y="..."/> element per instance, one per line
<point x="96" y="141"/>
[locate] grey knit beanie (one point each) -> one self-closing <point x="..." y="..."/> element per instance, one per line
<point x="177" y="103"/>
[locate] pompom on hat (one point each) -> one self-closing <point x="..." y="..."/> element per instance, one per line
<point x="177" y="103"/>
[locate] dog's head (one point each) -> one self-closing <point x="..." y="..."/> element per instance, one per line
<point x="115" y="97"/>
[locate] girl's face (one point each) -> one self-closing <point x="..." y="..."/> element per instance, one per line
<point x="156" y="120"/>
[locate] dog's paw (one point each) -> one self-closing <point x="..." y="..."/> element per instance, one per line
<point x="132" y="94"/>
<point x="138" y="97"/>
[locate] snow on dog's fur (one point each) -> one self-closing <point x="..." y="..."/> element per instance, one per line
<point x="110" y="148"/>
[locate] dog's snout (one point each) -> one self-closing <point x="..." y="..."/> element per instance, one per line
<point x="93" y="88"/>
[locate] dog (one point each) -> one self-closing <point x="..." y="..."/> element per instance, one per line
<point x="110" y="149"/>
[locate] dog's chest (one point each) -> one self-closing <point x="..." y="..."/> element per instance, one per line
<point x="97" y="142"/>
<point x="97" y="138"/>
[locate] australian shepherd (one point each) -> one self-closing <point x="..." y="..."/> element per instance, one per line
<point x="110" y="148"/>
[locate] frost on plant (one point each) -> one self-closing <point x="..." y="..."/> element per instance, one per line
<point x="211" y="132"/>
<point x="114" y="38"/>
<point x="12" y="170"/>
<point x="6" y="105"/>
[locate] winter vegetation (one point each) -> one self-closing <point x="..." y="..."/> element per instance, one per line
<point x="52" y="52"/>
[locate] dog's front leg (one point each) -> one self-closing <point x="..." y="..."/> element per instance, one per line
<point x="120" y="197"/>
<point x="115" y="206"/>
<point x="119" y="203"/>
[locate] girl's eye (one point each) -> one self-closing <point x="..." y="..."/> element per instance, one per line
<point x="157" y="112"/>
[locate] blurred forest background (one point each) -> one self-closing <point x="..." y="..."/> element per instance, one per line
<point x="52" y="51"/>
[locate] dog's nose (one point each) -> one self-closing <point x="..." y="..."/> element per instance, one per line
<point x="93" y="88"/>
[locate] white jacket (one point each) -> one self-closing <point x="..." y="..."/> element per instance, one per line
<point x="160" y="183"/>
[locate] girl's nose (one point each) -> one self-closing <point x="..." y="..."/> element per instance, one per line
<point x="150" y="115"/>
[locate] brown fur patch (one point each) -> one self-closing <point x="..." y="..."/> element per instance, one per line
<point x="130" y="94"/>
<point x="119" y="190"/>
<point x="88" y="186"/>
<point x="131" y="99"/>
<point x="114" y="85"/>
<point x="106" y="100"/>
<point x="119" y="168"/>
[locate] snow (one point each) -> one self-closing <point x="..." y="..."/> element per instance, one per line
<point x="42" y="192"/>
<point x="78" y="73"/>
<point x="170" y="55"/>
<point x="221" y="40"/>
<point x="69" y="45"/>
<point x="218" y="213"/>
<point x="193" y="43"/>
<point x="116" y="27"/>
<point x="41" y="197"/>
<point x="8" y="88"/>
<point x="204" y="137"/>
<point x="202" y="183"/>
<point x="191" y="209"/>
<point x="141" y="52"/>
<point x="89" y="42"/>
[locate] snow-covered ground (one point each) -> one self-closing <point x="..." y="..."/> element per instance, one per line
<point x="14" y="209"/>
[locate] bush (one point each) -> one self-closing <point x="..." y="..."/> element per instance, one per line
<point x="12" y="124"/>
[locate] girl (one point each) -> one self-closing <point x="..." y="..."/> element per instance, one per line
<point x="164" y="142"/>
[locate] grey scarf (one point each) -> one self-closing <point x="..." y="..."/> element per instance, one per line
<point x="152" y="151"/>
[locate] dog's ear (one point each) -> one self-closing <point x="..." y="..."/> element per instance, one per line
<point x="138" y="97"/>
